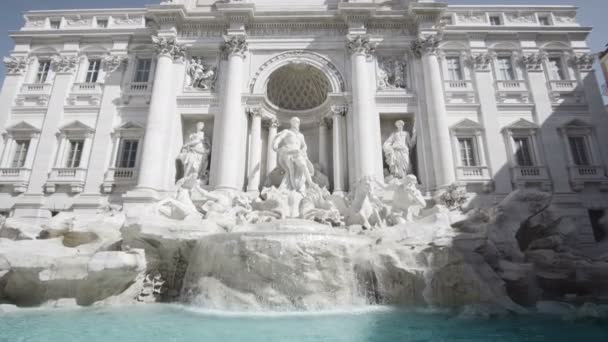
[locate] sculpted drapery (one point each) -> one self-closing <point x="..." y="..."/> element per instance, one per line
<point x="397" y="151"/>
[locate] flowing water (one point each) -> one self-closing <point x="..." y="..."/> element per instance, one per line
<point x="173" y="323"/>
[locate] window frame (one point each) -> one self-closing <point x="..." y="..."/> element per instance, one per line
<point x="470" y="158"/>
<point x="137" y="70"/>
<point x="512" y="72"/>
<point x="52" y="23"/>
<point x="132" y="156"/>
<point x="449" y="71"/>
<point x="20" y="163"/>
<point x="92" y="74"/>
<point x="580" y="129"/>
<point x="42" y="74"/>
<point x="531" y="158"/>
<point x="500" y="21"/>
<point x="562" y="72"/>
<point x="74" y="156"/>
<point x="102" y="20"/>
<point x="578" y="159"/>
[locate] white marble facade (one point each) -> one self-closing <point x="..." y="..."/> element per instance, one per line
<point x="97" y="104"/>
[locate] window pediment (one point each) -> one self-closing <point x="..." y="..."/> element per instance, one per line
<point x="22" y="129"/>
<point x="466" y="126"/>
<point x="76" y="128"/>
<point x="522" y="124"/>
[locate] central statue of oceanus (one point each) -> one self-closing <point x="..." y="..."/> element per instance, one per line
<point x="293" y="159"/>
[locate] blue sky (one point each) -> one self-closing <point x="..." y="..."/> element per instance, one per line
<point x="592" y="13"/>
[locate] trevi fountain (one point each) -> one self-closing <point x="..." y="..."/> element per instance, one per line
<point x="387" y="245"/>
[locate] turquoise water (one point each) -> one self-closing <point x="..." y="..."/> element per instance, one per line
<point x="168" y="323"/>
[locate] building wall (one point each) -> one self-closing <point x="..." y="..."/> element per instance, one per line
<point x="479" y="105"/>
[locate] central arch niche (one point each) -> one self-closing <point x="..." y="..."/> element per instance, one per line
<point x="297" y="87"/>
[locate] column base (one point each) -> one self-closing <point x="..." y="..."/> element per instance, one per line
<point x="30" y="208"/>
<point x="88" y="204"/>
<point x="141" y="196"/>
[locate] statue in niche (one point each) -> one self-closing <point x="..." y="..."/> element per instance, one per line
<point x="201" y="76"/>
<point x="194" y="156"/>
<point x="397" y="151"/>
<point x="293" y="159"/>
<point x="391" y="74"/>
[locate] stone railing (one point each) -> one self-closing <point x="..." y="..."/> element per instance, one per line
<point x="590" y="172"/>
<point x="562" y="86"/>
<point x="87" y="88"/>
<point x="511" y="86"/>
<point x="465" y="173"/>
<point x="456" y="86"/>
<point x="16" y="177"/>
<point x="119" y="176"/>
<point x="587" y="174"/>
<point x="36" y="89"/>
<point x="139" y="87"/>
<point x="72" y="177"/>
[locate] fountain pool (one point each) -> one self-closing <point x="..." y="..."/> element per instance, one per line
<point x="376" y="324"/>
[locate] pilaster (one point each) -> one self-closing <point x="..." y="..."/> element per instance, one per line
<point x="64" y="67"/>
<point x="102" y="146"/>
<point x="480" y="62"/>
<point x="16" y="67"/>
<point x="255" y="150"/>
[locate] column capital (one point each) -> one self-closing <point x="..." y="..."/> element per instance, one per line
<point x="583" y="62"/>
<point x="338" y="110"/>
<point x="360" y="45"/>
<point x="254" y="111"/>
<point x="481" y="61"/>
<point x="64" y="64"/>
<point x="16" y="65"/>
<point x="533" y="62"/>
<point x="112" y="63"/>
<point x="271" y="123"/>
<point x="425" y="45"/>
<point x="323" y="122"/>
<point x="169" y="47"/>
<point x="234" y="45"/>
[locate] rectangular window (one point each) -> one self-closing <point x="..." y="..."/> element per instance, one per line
<point x="102" y="23"/>
<point x="578" y="148"/>
<point x="142" y="70"/>
<point x="454" y="69"/>
<point x="505" y="69"/>
<point x="128" y="154"/>
<point x="55" y="24"/>
<point x="523" y="153"/>
<point x="93" y="71"/>
<point x="467" y="152"/>
<point x="74" y="154"/>
<point x="43" y="71"/>
<point x="20" y="153"/>
<point x="495" y="20"/>
<point x="556" y="69"/>
<point x="544" y="20"/>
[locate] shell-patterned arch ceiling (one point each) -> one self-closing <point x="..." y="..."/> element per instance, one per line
<point x="297" y="87"/>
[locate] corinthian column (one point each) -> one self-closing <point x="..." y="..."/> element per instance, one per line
<point x="323" y="154"/>
<point x="443" y="161"/>
<point x="339" y="149"/>
<point x="271" y="154"/>
<point x="255" y="151"/>
<point x="156" y="146"/>
<point x="366" y="121"/>
<point x="232" y="121"/>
